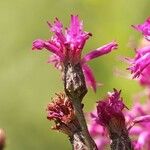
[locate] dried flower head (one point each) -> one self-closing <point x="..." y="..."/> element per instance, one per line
<point x="61" y="111"/>
<point x="67" y="46"/>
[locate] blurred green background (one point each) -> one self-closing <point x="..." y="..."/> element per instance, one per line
<point x="27" y="82"/>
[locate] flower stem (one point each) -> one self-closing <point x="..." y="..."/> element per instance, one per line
<point x="121" y="143"/>
<point x="75" y="88"/>
<point x="88" y="140"/>
<point x="77" y="142"/>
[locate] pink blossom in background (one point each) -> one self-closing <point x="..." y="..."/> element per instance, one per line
<point x="98" y="132"/>
<point x="67" y="45"/>
<point x="145" y="77"/>
<point x="144" y="28"/>
<point x="139" y="65"/>
<point x="137" y="120"/>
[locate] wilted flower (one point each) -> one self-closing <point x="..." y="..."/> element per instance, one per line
<point x="61" y="111"/>
<point x="144" y="28"/>
<point x="67" y="47"/>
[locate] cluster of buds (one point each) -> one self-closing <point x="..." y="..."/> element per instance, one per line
<point x="111" y="123"/>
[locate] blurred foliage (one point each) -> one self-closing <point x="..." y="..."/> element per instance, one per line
<point x="27" y="82"/>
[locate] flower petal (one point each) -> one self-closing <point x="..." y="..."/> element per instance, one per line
<point x="140" y="62"/>
<point x="89" y="77"/>
<point x="57" y="28"/>
<point x="38" y="44"/>
<point x="144" y="28"/>
<point x="49" y="45"/>
<point x="142" y="141"/>
<point x="56" y="61"/>
<point x="140" y="119"/>
<point x="99" y="51"/>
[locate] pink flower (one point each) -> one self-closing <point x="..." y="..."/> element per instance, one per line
<point x="110" y="108"/>
<point x="67" y="46"/>
<point x="144" y="28"/>
<point x="145" y="77"/>
<point x="139" y="65"/>
<point x="137" y="121"/>
<point x="98" y="132"/>
<point x="108" y="116"/>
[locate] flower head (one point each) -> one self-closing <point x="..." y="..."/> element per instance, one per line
<point x="61" y="111"/>
<point x="67" y="45"/>
<point x="111" y="118"/>
<point x="144" y="28"/>
<point x="137" y="122"/>
<point x="110" y="108"/>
